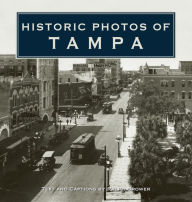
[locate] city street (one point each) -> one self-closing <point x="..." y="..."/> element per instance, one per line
<point x="52" y="186"/>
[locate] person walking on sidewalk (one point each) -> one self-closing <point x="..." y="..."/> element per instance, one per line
<point x="70" y="121"/>
<point x="128" y="118"/>
<point x="67" y="121"/>
<point x="129" y="150"/>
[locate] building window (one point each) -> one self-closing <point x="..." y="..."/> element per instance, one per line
<point x="172" y="83"/>
<point x="60" y="80"/>
<point x="14" y="118"/>
<point x="166" y="93"/>
<point x="36" y="108"/>
<point x="44" y="86"/>
<point x="44" y="102"/>
<point x="189" y="83"/>
<point x="77" y="80"/>
<point x="53" y="99"/>
<point x="189" y="95"/>
<point x="150" y="71"/>
<point x="162" y="93"/>
<point x="183" y="95"/>
<point x="172" y="94"/>
<point x="69" y="80"/>
<point x="14" y="100"/>
<point x="164" y="83"/>
<point x="183" y="83"/>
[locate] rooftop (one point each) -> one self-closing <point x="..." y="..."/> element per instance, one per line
<point x="83" y="139"/>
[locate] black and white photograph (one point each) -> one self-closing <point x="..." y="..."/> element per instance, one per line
<point x="112" y="122"/>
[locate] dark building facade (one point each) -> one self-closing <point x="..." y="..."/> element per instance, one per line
<point x="186" y="67"/>
<point x="24" y="103"/>
<point x="75" y="95"/>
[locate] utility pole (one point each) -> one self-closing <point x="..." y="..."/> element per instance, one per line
<point x="105" y="175"/>
<point x="123" y="126"/>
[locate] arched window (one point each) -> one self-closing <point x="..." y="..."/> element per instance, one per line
<point x="14" y="120"/>
<point x="14" y="97"/>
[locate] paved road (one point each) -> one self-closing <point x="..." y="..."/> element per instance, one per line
<point x="66" y="176"/>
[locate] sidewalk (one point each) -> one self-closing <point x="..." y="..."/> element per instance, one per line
<point x="79" y="121"/>
<point x="119" y="178"/>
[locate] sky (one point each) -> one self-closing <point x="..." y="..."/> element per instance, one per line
<point x="9" y="8"/>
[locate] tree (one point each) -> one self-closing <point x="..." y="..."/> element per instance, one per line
<point x="151" y="127"/>
<point x="147" y="99"/>
<point x="183" y="163"/>
<point x="147" y="168"/>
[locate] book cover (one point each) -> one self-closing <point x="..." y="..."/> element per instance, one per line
<point x="95" y="101"/>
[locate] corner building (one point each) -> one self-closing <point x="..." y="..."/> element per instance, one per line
<point x="171" y="82"/>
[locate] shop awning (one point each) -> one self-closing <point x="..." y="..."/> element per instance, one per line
<point x="12" y="146"/>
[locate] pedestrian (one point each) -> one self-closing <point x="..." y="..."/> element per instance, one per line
<point x="70" y="121"/>
<point x="129" y="150"/>
<point x="128" y="118"/>
<point x="67" y="121"/>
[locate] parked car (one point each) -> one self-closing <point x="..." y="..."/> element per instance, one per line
<point x="121" y="111"/>
<point x="47" y="162"/>
<point x="101" y="160"/>
<point x="90" y="117"/>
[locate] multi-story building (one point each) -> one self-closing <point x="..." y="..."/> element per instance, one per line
<point x="171" y="82"/>
<point x="47" y="74"/>
<point x="107" y="72"/>
<point x="23" y="103"/>
<point x="186" y="67"/>
<point x="28" y="89"/>
<point x="75" y="90"/>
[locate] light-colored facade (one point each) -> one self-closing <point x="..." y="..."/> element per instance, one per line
<point x="47" y="73"/>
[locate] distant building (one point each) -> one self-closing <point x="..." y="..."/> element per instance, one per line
<point x="75" y="90"/>
<point x="107" y="72"/>
<point x="171" y="82"/>
<point x="186" y="67"/>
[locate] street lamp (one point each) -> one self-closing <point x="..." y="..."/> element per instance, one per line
<point x="118" y="138"/>
<point x="60" y="125"/>
<point x="124" y="126"/>
<point x="105" y="174"/>
<point x="75" y="114"/>
<point x="108" y="165"/>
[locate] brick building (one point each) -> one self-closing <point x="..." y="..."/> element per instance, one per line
<point x="75" y="90"/>
<point x="171" y="82"/>
<point x="186" y="67"/>
<point x="29" y="90"/>
<point x="24" y="103"/>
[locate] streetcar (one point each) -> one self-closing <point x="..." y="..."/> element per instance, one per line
<point x="82" y="148"/>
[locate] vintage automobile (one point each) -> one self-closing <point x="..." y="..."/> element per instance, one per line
<point x="26" y="164"/>
<point x="47" y="162"/>
<point x="121" y="111"/>
<point x="101" y="160"/>
<point x="107" y="107"/>
<point x="90" y="117"/>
